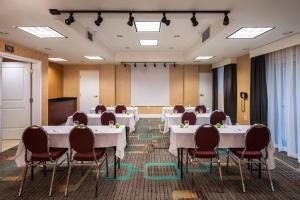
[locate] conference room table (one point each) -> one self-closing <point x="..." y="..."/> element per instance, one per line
<point x="231" y="136"/>
<point x="130" y="109"/>
<point x="175" y="119"/>
<point x="95" y="120"/>
<point x="170" y="109"/>
<point x="105" y="136"/>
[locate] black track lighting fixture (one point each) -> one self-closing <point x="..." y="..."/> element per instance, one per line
<point x="70" y="20"/>
<point x="174" y="65"/>
<point x="165" y="65"/>
<point x="145" y="65"/>
<point x="130" y="20"/>
<point x="134" y="64"/>
<point x="125" y="65"/>
<point x="226" y="19"/>
<point x="165" y="20"/>
<point x="194" y="20"/>
<point x="99" y="20"/>
<point x="154" y="64"/>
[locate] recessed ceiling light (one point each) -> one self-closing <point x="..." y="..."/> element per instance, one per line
<point x="149" y="42"/>
<point x="57" y="59"/>
<point x="248" y="33"/>
<point x="147" y="26"/>
<point x="94" y="57"/>
<point x="42" y="32"/>
<point x="203" y="57"/>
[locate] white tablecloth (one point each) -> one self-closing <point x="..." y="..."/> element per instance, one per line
<point x="133" y="110"/>
<point x="95" y="120"/>
<point x="175" y="119"/>
<point x="166" y="110"/>
<point x="230" y="137"/>
<point x="59" y="137"/>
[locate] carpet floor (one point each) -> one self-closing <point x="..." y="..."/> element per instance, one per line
<point x="149" y="171"/>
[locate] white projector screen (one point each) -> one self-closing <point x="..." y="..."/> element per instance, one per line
<point x="149" y="85"/>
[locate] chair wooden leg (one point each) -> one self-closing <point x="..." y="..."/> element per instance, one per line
<point x="106" y="163"/>
<point x="242" y="178"/>
<point x="187" y="161"/>
<point x="32" y="170"/>
<point x="210" y="167"/>
<point x="52" y="179"/>
<point x="23" y="180"/>
<point x="269" y="175"/>
<point x="221" y="177"/>
<point x="68" y="178"/>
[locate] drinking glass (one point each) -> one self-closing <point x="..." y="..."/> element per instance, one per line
<point x="186" y="123"/>
<point x="201" y="111"/>
<point x="99" y="112"/>
<point x="111" y="124"/>
<point x="175" y="111"/>
<point x="76" y="123"/>
<point x="123" y="112"/>
<point x="224" y="123"/>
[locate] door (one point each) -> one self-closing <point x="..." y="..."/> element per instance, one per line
<point x="89" y="90"/>
<point x="205" y="89"/>
<point x="15" y="109"/>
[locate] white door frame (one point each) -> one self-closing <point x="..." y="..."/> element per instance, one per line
<point x="36" y="88"/>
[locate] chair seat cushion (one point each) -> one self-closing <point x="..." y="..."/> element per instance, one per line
<point x="202" y="154"/>
<point x="89" y="156"/>
<point x="248" y="154"/>
<point x="55" y="153"/>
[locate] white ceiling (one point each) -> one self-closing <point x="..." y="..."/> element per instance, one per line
<point x="284" y="15"/>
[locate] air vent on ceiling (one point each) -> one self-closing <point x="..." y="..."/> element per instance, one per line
<point x="205" y="34"/>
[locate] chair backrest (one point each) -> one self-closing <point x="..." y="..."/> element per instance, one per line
<point x="35" y="139"/>
<point x="120" y="108"/>
<point x="207" y="137"/>
<point x="106" y="117"/>
<point x="217" y="117"/>
<point x="257" y="138"/>
<point x="101" y="108"/>
<point x="190" y="116"/>
<point x="80" y="117"/>
<point x="200" y="108"/>
<point x="179" y="108"/>
<point x="82" y="139"/>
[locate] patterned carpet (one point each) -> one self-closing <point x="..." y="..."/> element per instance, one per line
<point x="149" y="171"/>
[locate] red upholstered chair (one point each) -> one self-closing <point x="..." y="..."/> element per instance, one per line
<point x="106" y="117"/>
<point x="207" y="139"/>
<point x="100" y="108"/>
<point x="200" y="109"/>
<point x="179" y="108"/>
<point x="120" y="108"/>
<point x="37" y="151"/>
<point x="81" y="117"/>
<point x="189" y="116"/>
<point x="217" y="117"/>
<point x="257" y="141"/>
<point x="82" y="142"/>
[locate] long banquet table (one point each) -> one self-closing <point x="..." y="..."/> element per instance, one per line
<point x="95" y="120"/>
<point x="170" y="109"/>
<point x="232" y="136"/>
<point x="130" y="109"/>
<point x="175" y="119"/>
<point x="58" y="136"/>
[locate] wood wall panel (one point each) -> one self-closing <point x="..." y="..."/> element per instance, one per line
<point x="243" y="85"/>
<point x="107" y="85"/>
<point x="33" y="54"/>
<point x="123" y="85"/>
<point x="191" y="85"/>
<point x="55" y="80"/>
<point x="150" y="109"/>
<point x="176" y="85"/>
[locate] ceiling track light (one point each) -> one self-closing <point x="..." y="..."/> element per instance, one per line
<point x="226" y="19"/>
<point x="130" y="20"/>
<point x="165" y="65"/>
<point x="134" y="64"/>
<point x="99" y="20"/>
<point x="194" y="20"/>
<point x="145" y="65"/>
<point x="174" y="65"/>
<point x="70" y="19"/>
<point x="165" y="20"/>
<point x="154" y="64"/>
<point x="125" y="65"/>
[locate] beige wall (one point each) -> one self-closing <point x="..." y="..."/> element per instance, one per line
<point x="32" y="54"/>
<point x="243" y="85"/>
<point x="55" y="80"/>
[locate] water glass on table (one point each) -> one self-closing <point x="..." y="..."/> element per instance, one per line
<point x="186" y="123"/>
<point x="111" y="124"/>
<point x="75" y="122"/>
